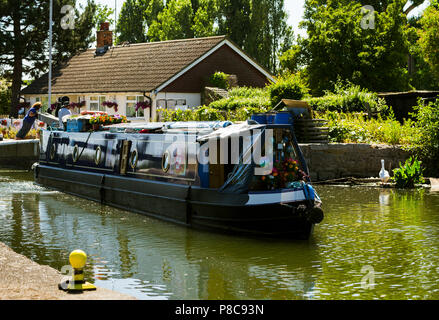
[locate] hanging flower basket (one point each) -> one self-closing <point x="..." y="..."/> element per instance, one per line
<point x="110" y="104"/>
<point x="78" y="105"/>
<point x="143" y="105"/>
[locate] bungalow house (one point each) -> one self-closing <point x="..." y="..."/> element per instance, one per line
<point x="168" y="74"/>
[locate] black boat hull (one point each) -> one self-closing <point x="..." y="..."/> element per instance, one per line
<point x="199" y="208"/>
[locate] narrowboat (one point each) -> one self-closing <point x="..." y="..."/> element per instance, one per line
<point x="242" y="178"/>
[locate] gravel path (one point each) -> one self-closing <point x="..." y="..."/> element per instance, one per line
<point x="21" y="278"/>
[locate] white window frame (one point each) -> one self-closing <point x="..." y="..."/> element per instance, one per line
<point x="139" y="113"/>
<point x="99" y="101"/>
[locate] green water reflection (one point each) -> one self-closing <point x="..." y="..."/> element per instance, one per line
<point x="393" y="233"/>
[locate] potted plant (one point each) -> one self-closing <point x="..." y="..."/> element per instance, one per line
<point x="99" y="120"/>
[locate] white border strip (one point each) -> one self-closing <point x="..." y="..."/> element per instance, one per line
<point x="276" y="197"/>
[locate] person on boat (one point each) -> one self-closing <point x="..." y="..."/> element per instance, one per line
<point x="64" y="111"/>
<point x="28" y="121"/>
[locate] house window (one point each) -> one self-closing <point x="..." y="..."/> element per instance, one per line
<point x="171" y="103"/>
<point x="44" y="102"/>
<point x="96" y="103"/>
<point x="131" y="106"/>
<point x="161" y="104"/>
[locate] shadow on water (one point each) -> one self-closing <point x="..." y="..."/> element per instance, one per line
<point x="148" y="258"/>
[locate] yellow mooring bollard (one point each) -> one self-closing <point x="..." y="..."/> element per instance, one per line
<point x="77" y="260"/>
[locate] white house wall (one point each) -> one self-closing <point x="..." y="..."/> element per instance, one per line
<point x="192" y="100"/>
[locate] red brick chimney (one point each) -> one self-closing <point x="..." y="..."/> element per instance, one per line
<point x="104" y="36"/>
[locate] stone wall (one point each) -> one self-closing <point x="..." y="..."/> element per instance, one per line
<point x="341" y="160"/>
<point x="20" y="154"/>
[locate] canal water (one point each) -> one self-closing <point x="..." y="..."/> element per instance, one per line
<point x="373" y="244"/>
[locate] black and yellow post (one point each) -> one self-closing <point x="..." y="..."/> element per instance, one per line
<point x="77" y="260"/>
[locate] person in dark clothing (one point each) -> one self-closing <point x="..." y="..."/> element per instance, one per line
<point x="28" y="121"/>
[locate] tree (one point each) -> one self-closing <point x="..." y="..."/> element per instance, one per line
<point x="174" y="22"/>
<point x="24" y="29"/>
<point x="21" y="37"/>
<point x="258" y="26"/>
<point x="205" y="18"/>
<point x="338" y="47"/>
<point x="68" y="42"/>
<point x="234" y="20"/>
<point x="135" y="19"/>
<point x="429" y="38"/>
<point x="131" y="24"/>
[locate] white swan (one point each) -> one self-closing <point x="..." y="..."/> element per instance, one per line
<point x="384" y="175"/>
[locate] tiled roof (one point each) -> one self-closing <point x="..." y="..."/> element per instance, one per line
<point x="132" y="68"/>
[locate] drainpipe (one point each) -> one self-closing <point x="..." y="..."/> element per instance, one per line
<point x="148" y="116"/>
<point x="153" y="96"/>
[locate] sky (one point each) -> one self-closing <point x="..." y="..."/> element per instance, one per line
<point x="293" y="7"/>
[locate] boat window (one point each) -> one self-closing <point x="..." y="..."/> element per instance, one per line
<point x="98" y="155"/>
<point x="133" y="159"/>
<point x="166" y="161"/>
<point x="171" y="103"/>
<point x="75" y="153"/>
<point x="52" y="151"/>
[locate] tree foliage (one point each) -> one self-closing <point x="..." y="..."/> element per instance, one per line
<point x="339" y="47"/>
<point x="174" y="22"/>
<point x="135" y="18"/>
<point x="429" y="38"/>
<point x="24" y="27"/>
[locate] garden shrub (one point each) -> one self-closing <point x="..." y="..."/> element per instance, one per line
<point x="409" y="174"/>
<point x="357" y="128"/>
<point x="219" y="80"/>
<point x="243" y="97"/>
<point x="205" y="113"/>
<point x="349" y="98"/>
<point x="427" y="140"/>
<point x="288" y="86"/>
